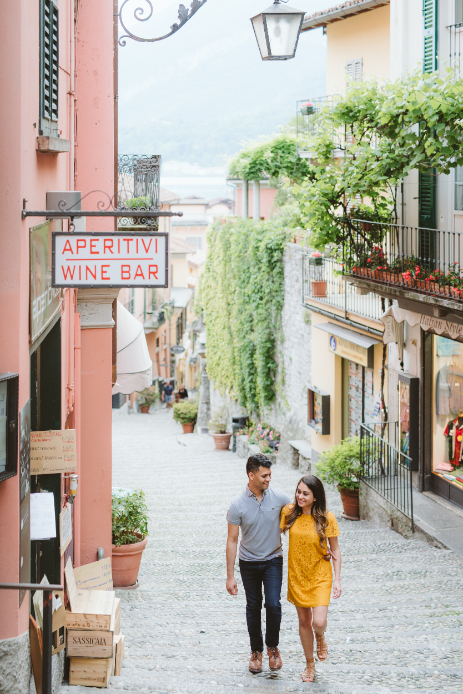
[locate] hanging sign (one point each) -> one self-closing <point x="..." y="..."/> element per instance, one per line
<point x="177" y="349"/>
<point x="352" y="351"/>
<point x="110" y="259"/>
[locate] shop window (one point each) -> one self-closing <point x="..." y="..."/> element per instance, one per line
<point x="8" y="425"/>
<point x="447" y="434"/>
<point x="359" y="397"/>
<point x="49" y="67"/>
<point x="319" y="411"/>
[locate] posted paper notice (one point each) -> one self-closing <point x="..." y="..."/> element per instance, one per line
<point x="43" y="525"/>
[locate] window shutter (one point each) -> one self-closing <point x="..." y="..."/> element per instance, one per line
<point x="354" y="69"/>
<point x="430" y="35"/>
<point x="49" y="67"/>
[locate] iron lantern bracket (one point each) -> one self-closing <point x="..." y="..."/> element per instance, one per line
<point x="71" y="214"/>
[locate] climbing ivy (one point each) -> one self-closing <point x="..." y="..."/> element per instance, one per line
<point x="241" y="296"/>
<point x="369" y="140"/>
<point x="275" y="157"/>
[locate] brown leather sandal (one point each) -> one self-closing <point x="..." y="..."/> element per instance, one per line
<point x="322" y="647"/>
<point x="309" y="673"/>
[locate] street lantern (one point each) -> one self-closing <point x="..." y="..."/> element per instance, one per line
<point x="277" y="31"/>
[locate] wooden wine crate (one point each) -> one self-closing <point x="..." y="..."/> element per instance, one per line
<point x="90" y="644"/>
<point x="116" y="616"/>
<point x="90" y="609"/>
<point x="91" y="672"/>
<point x="120" y="645"/>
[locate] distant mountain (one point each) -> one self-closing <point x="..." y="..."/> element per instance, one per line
<point x="199" y="95"/>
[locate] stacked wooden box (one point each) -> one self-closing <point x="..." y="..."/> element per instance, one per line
<point x="94" y="641"/>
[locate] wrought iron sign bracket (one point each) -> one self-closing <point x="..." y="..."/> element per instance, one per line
<point x="71" y="214"/>
<point x="184" y="15"/>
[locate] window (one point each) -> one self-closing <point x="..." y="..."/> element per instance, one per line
<point x="459" y="188"/>
<point x="49" y="68"/>
<point x="354" y="69"/>
<point x="458" y="11"/>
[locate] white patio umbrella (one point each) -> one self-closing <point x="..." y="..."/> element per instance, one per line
<point x="133" y="360"/>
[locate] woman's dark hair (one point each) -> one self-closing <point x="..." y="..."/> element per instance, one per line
<point x="318" y="508"/>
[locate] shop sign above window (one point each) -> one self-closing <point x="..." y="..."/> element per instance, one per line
<point x="110" y="260"/>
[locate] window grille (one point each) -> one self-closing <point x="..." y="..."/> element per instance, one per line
<point x="49" y="67"/>
<point x="354" y="69"/>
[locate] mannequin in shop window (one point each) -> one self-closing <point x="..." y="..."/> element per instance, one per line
<point x="454" y="433"/>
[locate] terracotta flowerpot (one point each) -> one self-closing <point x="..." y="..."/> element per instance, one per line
<point x="350" y="503"/>
<point x="126" y="563"/>
<point x="144" y="409"/>
<point x="222" y="441"/>
<point x="188" y="428"/>
<point x="318" y="287"/>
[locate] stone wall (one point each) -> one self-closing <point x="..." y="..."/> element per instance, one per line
<point x="15" y="665"/>
<point x="289" y="412"/>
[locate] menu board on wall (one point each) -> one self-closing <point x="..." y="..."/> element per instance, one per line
<point x="53" y="452"/>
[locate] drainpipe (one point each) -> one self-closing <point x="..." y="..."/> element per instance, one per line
<point x="245" y="200"/>
<point x="77" y="424"/>
<point x="256" y="200"/>
<point x="72" y="97"/>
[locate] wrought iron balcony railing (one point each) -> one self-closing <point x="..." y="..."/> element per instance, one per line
<point x="138" y="187"/>
<point x="456" y="35"/>
<point x="308" y="121"/>
<point x="384" y="467"/>
<point x="427" y="261"/>
<point x="322" y="282"/>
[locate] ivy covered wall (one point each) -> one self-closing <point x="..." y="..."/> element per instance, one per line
<point x="241" y="296"/>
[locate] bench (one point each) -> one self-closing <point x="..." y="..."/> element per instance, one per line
<point x="301" y="455"/>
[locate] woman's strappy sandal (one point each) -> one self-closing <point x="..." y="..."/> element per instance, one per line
<point x="322" y="647"/>
<point x="309" y="673"/>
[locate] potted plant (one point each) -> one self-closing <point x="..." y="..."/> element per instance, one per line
<point x="317" y="280"/>
<point x="148" y="397"/>
<point x="307" y="108"/>
<point x="186" y="413"/>
<point x="130" y="535"/>
<point x="218" y="426"/>
<point x="340" y="465"/>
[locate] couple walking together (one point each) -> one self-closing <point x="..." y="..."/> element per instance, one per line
<point x="262" y="513"/>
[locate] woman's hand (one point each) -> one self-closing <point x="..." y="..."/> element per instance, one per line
<point x="337" y="590"/>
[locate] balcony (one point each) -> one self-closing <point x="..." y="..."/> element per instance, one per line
<point x="412" y="262"/>
<point x="322" y="282"/>
<point x="309" y="113"/>
<point x="138" y="189"/>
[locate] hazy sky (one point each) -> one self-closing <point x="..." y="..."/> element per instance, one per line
<point x="197" y="96"/>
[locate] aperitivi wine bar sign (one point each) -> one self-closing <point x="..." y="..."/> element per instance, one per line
<point x="96" y="259"/>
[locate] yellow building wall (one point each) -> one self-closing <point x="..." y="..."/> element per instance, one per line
<point x="363" y="36"/>
<point x="180" y="270"/>
<point x="327" y="376"/>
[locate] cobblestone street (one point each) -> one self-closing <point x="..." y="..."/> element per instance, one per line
<point x="396" y="628"/>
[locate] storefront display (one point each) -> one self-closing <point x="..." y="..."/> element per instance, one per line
<point x="447" y="458"/>
<point x="409" y="408"/>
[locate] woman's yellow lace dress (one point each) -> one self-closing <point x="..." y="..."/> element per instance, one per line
<point x="310" y="577"/>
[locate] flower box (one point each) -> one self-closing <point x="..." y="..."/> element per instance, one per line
<point x="307" y="109"/>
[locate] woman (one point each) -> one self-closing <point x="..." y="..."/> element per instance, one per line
<point x="310" y="576"/>
<point x="183" y="393"/>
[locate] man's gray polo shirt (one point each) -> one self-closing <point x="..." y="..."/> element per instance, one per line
<point x="259" y="522"/>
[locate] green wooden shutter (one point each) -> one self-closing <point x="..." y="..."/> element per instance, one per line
<point x="430" y="35"/>
<point x="49" y="67"/>
<point x="427" y="181"/>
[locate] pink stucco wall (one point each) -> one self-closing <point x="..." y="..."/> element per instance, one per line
<point x="267" y="196"/>
<point x="26" y="173"/>
<point x="96" y="423"/>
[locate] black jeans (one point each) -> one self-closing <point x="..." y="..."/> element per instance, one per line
<point x="254" y="574"/>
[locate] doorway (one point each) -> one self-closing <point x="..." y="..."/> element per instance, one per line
<point x="45" y="369"/>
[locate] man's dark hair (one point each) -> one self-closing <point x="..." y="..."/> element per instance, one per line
<point x="256" y="461"/>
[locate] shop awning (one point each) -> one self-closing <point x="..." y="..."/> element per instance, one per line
<point x="134" y="365"/>
<point x="361" y="340"/>
<point x="440" y="326"/>
<point x="350" y="345"/>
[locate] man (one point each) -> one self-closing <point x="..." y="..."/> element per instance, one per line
<point x="168" y="390"/>
<point x="257" y="512"/>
